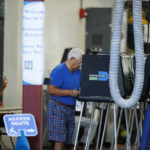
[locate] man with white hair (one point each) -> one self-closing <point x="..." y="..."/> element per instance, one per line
<point x="64" y="87"/>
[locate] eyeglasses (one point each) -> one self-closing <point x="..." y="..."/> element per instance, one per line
<point x="79" y="62"/>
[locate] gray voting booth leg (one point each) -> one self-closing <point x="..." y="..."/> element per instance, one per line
<point x="133" y="120"/>
<point x="90" y="127"/>
<point x="79" y="122"/>
<point x="118" y="127"/>
<point x="127" y="128"/>
<point x="138" y="125"/>
<point x="102" y="140"/>
<point x="115" y="127"/>
<point x="100" y="125"/>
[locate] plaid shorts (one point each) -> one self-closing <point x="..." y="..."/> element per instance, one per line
<point x="61" y="122"/>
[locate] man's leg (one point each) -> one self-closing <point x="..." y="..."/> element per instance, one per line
<point x="58" y="146"/>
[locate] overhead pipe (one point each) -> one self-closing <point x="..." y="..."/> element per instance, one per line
<point x="115" y="50"/>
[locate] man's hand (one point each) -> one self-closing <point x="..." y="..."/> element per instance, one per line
<point x="75" y="93"/>
<point x="62" y="92"/>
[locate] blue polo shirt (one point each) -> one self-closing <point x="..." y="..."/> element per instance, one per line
<point x="63" y="78"/>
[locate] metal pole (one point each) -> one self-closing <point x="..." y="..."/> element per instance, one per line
<point x="127" y="127"/>
<point x="132" y="121"/>
<point x="100" y="124"/>
<point x="141" y="118"/>
<point x="118" y="127"/>
<point x="137" y="127"/>
<point x="104" y="127"/>
<point x="79" y="122"/>
<point x="115" y="132"/>
<point x="130" y="115"/>
<point x="90" y="127"/>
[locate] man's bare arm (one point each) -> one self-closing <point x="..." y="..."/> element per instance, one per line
<point x="59" y="92"/>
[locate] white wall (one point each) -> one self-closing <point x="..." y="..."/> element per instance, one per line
<point x="63" y="29"/>
<point x="98" y="3"/>
<point x="12" y="52"/>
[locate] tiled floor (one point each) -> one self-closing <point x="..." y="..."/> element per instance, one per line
<point x="119" y="147"/>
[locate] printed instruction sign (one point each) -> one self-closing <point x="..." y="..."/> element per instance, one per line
<point x="33" y="43"/>
<point x="16" y="122"/>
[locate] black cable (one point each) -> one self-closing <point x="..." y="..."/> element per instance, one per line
<point x="148" y="24"/>
<point x="148" y="36"/>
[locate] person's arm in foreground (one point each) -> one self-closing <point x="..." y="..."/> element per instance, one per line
<point x="4" y="84"/>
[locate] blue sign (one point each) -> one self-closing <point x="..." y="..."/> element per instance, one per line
<point x="103" y="76"/>
<point x="16" y="122"/>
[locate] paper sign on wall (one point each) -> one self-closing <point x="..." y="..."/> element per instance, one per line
<point x="33" y="43"/>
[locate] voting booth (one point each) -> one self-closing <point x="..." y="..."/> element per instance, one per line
<point x="95" y="77"/>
